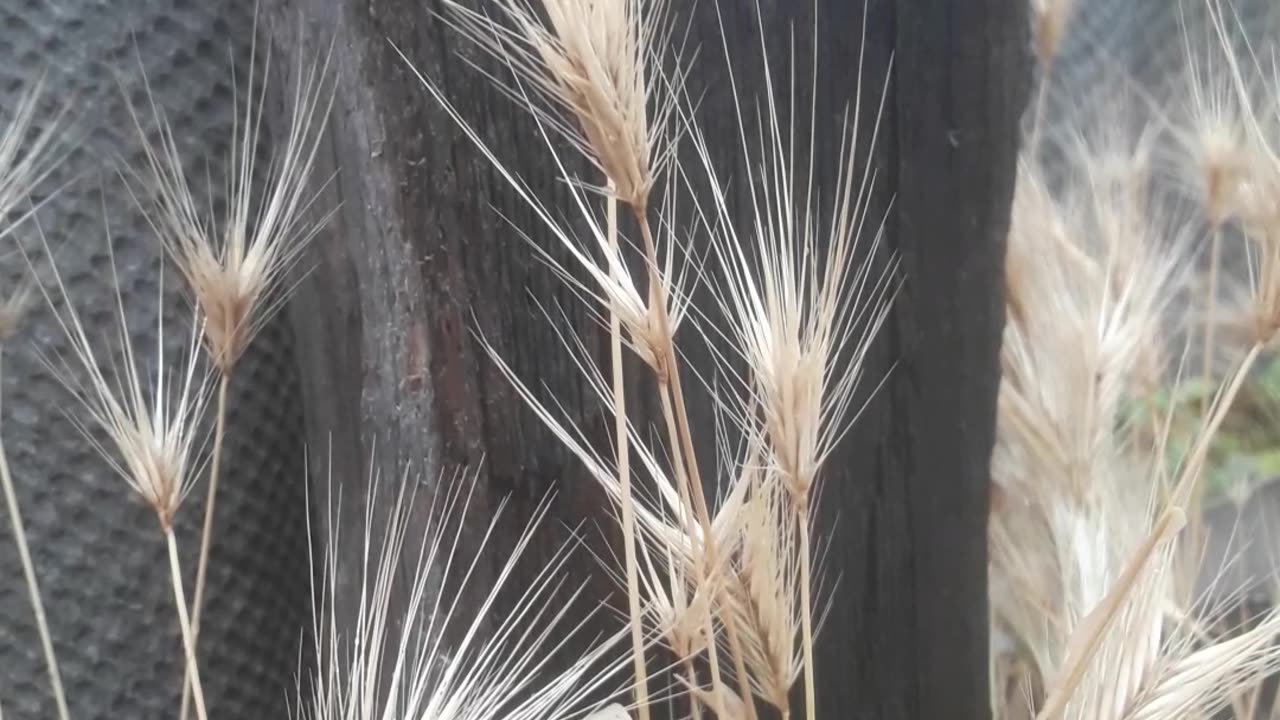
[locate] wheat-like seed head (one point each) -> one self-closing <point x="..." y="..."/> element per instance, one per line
<point x="599" y="61"/>
<point x="419" y="651"/>
<point x="152" y="420"/>
<point x="1049" y="19"/>
<point x="802" y="308"/>
<point x="1215" y="135"/>
<point x="236" y="270"/>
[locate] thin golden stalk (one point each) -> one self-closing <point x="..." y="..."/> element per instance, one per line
<point x="206" y="534"/>
<point x="1211" y="306"/>
<point x="677" y="417"/>
<point x="188" y="640"/>
<point x="641" y="687"/>
<point x="695" y="707"/>
<point x="806" y="615"/>
<point x="688" y="488"/>
<point x="33" y="585"/>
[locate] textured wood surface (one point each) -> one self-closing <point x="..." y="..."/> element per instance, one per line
<point x="417" y="259"/>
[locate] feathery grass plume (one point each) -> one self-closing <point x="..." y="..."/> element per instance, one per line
<point x="419" y="650"/>
<point x="1212" y="132"/>
<point x="152" y="424"/>
<point x="801" y="309"/>
<point x="1249" y="198"/>
<point x="237" y="269"/>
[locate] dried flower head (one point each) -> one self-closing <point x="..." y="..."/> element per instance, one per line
<point x="236" y="270"/>
<point x="801" y="308"/>
<point x="152" y="420"/>
<point x="598" y="61"/>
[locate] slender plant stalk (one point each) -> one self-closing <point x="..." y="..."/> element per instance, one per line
<point x="695" y="706"/>
<point x="33" y="585"/>
<point x="677" y="417"/>
<point x="184" y="621"/>
<point x="641" y="688"/>
<point x="1211" y="321"/>
<point x="1194" y="464"/>
<point x="806" y="615"/>
<point x="206" y="534"/>
<point x="679" y="461"/>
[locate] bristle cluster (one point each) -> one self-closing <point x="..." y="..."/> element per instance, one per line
<point x="599" y="63"/>
<point x="420" y="649"/>
<point x="236" y="269"/>
<point x="153" y="420"/>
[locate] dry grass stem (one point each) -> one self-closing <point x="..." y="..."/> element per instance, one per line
<point x="32" y="583"/>
<point x="188" y="636"/>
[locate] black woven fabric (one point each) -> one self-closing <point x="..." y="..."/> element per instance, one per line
<point x="99" y="556"/>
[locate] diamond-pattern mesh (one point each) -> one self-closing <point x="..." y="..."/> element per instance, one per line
<point x="99" y="555"/>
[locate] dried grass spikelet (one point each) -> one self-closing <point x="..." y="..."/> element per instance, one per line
<point x="1215" y="135"/>
<point x="1243" y="187"/>
<point x="767" y="597"/>
<point x="599" y="63"/>
<point x="418" y="650"/>
<point x="26" y="156"/>
<point x="1049" y="19"/>
<point x="801" y="310"/>
<point x="153" y="423"/>
<point x="236" y="269"/>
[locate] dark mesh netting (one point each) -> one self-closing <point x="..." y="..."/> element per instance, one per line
<point x="99" y="556"/>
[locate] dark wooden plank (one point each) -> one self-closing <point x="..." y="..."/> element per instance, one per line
<point x="417" y="257"/>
